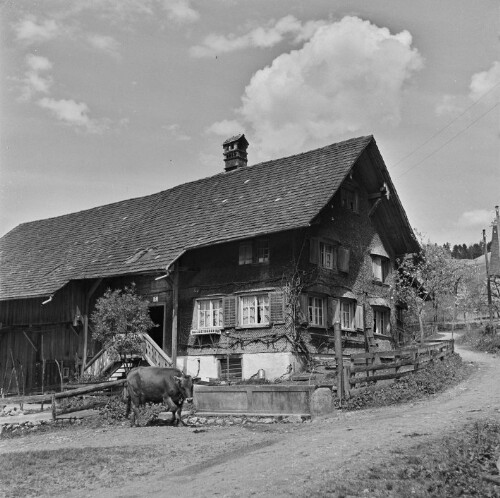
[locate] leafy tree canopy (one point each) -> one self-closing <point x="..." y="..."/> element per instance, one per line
<point x="120" y="316"/>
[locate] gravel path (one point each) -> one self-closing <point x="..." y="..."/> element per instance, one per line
<point x="281" y="459"/>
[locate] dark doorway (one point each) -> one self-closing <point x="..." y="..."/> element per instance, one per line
<point x="157" y="314"/>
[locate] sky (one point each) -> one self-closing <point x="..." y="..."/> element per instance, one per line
<point x="105" y="100"/>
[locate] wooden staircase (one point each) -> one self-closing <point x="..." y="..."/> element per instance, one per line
<point x="103" y="364"/>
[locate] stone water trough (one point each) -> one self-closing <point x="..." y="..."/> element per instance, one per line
<point x="263" y="400"/>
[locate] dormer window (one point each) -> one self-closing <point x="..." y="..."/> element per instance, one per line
<point x="381" y="268"/>
<point x="349" y="199"/>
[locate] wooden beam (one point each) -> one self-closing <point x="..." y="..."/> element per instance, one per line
<point x="29" y="340"/>
<point x="47" y="398"/>
<point x="175" y="308"/>
<point x="94" y="287"/>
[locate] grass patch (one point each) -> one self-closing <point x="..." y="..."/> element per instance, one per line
<point x="454" y="465"/>
<point x="46" y="473"/>
<point x="437" y="377"/>
<point x="476" y="339"/>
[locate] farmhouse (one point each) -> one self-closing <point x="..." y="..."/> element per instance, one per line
<point x="245" y="271"/>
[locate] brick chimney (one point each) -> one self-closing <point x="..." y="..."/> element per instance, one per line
<point x="235" y="152"/>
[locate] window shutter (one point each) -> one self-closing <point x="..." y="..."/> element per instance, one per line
<point x="377" y="268"/>
<point x="344" y="256"/>
<point x="229" y="304"/>
<point x="276" y="306"/>
<point x="194" y="321"/>
<point x="359" y="317"/>
<point x="303" y="311"/>
<point x="314" y="251"/>
<point x="333" y="311"/>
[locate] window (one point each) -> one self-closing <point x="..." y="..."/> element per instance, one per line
<point x="327" y="255"/>
<point x="316" y="311"/>
<point x="210" y="314"/>
<point x="254" y="310"/>
<point x="349" y="200"/>
<point x="381" y="321"/>
<point x="381" y="268"/>
<point x="245" y="253"/>
<point x="262" y="250"/>
<point x="347" y="313"/>
<point x="230" y="368"/>
<point x="256" y="251"/>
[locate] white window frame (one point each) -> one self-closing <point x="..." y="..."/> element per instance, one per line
<point x="260" y="305"/>
<point x="327" y="255"/>
<point x="246" y="253"/>
<point x="316" y="311"/>
<point x="347" y="314"/>
<point x="214" y="312"/>
<point x="381" y="321"/>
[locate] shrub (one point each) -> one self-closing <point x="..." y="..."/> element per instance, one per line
<point x="480" y="341"/>
<point x="437" y="377"/>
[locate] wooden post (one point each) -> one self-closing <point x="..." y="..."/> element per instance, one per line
<point x="86" y="322"/>
<point x="43" y="362"/>
<point x="85" y="341"/>
<point x="338" y="357"/>
<point x="175" y="307"/>
<point x="488" y="283"/>
<point x="53" y="407"/>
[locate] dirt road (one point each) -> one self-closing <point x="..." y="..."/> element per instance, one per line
<point x="277" y="460"/>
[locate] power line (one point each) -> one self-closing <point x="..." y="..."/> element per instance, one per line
<point x="448" y="141"/>
<point x="447" y="126"/>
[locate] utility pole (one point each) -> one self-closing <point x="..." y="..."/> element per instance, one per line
<point x="488" y="283"/>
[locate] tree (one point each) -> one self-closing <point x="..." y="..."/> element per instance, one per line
<point x="424" y="277"/>
<point x="119" y="319"/>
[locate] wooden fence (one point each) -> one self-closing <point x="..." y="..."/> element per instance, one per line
<point x="367" y="368"/>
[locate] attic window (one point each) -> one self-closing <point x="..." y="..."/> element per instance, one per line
<point x="349" y="199"/>
<point x="254" y="252"/>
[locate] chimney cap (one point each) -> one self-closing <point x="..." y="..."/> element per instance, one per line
<point x="235" y="138"/>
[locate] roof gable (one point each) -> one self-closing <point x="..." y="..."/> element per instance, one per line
<point x="149" y="233"/>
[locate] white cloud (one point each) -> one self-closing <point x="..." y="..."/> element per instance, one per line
<point x="481" y="88"/>
<point x="34" y="82"/>
<point x="176" y="133"/>
<point x="72" y="113"/>
<point x="481" y="83"/>
<point x="346" y="79"/>
<point x="180" y="11"/>
<point x="476" y="218"/>
<point x="104" y="43"/>
<point x="30" y="31"/>
<point x="261" y="37"/>
<point x="225" y="128"/>
<point x="450" y="105"/>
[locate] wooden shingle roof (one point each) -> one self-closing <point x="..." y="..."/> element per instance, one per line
<point x="150" y="233"/>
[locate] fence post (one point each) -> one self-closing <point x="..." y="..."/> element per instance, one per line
<point x="340" y="364"/>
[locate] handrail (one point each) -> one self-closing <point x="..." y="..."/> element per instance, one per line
<point x="154" y="353"/>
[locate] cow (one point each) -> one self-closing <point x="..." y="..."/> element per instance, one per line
<point x="156" y="385"/>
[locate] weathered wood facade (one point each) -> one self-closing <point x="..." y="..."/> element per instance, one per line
<point x="244" y="271"/>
